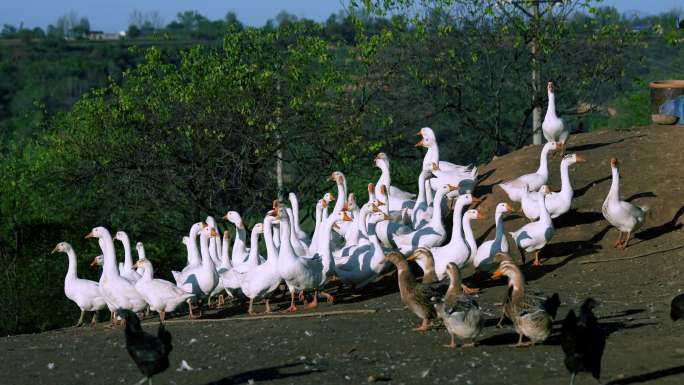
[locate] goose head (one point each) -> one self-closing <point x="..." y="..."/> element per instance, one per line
<point x="143" y="263"/>
<point x="235" y="218"/>
<point x="377" y="216"/>
<point x="258" y="229"/>
<point x="551" y="146"/>
<point x="550" y="86"/>
<point x="328" y="197"/>
<point x="614" y="163"/>
<point x="381" y="160"/>
<point x="98" y="232"/>
<point x="61" y="247"/>
<point x="428" y="137"/>
<point x="337" y="177"/>
<point x="121" y="236"/>
<point x="351" y="202"/>
<point x="185" y="240"/>
<point x="503" y="208"/>
<point x="141" y="250"/>
<point x="98" y="260"/>
<point x="210" y="221"/>
<point x="208" y="231"/>
<point x="511" y="271"/>
<point x="571" y="159"/>
<point x="473" y="214"/>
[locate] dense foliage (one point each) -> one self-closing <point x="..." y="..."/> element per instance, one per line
<point x="154" y="132"/>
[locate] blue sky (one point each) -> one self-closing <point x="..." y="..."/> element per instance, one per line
<point x="112" y="15"/>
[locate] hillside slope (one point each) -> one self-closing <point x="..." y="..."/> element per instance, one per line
<point x="633" y="286"/>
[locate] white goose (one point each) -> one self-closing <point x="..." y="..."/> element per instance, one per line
<point x="240" y="252"/>
<point x="365" y="262"/>
<point x="223" y="267"/>
<point x="83" y="292"/>
<point x="320" y="206"/>
<point x="552" y="127"/>
<point x="517" y="187"/>
<point x="387" y="230"/>
<point x="201" y="279"/>
<point x="432" y="234"/>
<point x="557" y="203"/>
<point x="421" y="212"/>
<point x="127" y="269"/>
<point x="399" y="199"/>
<point x="429" y="141"/>
<point x="535" y="235"/>
<point x="117" y="290"/>
<point x="161" y="295"/>
<point x="193" y="256"/>
<point x="484" y="258"/>
<point x="300" y="247"/>
<point x="625" y="216"/>
<point x="461" y="248"/>
<point x="233" y="278"/>
<point x="214" y="242"/>
<point x="307" y="272"/>
<point x="263" y="279"/>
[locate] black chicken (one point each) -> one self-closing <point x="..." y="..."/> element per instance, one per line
<point x="149" y="352"/>
<point x="583" y="341"/>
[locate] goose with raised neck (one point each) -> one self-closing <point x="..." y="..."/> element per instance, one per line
<point x="117" y="290"/>
<point x="240" y="252"/>
<point x="624" y="216"/>
<point x="264" y="279"/>
<point x="308" y="272"/>
<point x="83" y="292"/>
<point x="214" y="242"/>
<point x="516" y="188"/>
<point x="429" y="141"/>
<point x="484" y="258"/>
<point x="320" y="205"/>
<point x="419" y="213"/>
<point x="553" y="128"/>
<point x="203" y="278"/>
<point x="557" y="203"/>
<point x="301" y="235"/>
<point x="233" y="278"/>
<point x="127" y="270"/>
<point x="535" y="235"/>
<point x="398" y="199"/>
<point x="161" y="295"/>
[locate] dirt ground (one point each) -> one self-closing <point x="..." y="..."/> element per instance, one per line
<point x="367" y="336"/>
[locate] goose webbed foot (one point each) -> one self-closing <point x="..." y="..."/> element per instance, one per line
<point x="314" y="302"/>
<point x="469" y="290"/>
<point x="423" y="326"/>
<point x="536" y="262"/>
<point x="328" y="297"/>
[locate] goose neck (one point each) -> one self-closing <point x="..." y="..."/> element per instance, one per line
<point x="341" y="197"/>
<point x="544" y="162"/>
<point x="107" y="246"/>
<point x="614" y="192"/>
<point x="436" y="220"/>
<point x="551" y="109"/>
<point x="469" y="238"/>
<point x="71" y="270"/>
<point x="271" y="253"/>
<point x="544" y="215"/>
<point x="193" y="252"/>
<point x="254" y="246"/>
<point x="566" y="185"/>
<point x="128" y="260"/>
<point x="457" y="227"/>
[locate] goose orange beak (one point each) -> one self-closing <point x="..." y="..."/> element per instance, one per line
<point x="509" y="207"/>
<point x="411" y="257"/>
<point x="497" y="274"/>
<point x="214" y="233"/>
<point x="54" y="250"/>
<point x="479" y="215"/>
<point x="93" y="262"/>
<point x="580" y="158"/>
<point x="421" y="143"/>
<point x="324" y="204"/>
<point x="332" y="197"/>
<point x="476" y="200"/>
<point x="346" y="217"/>
<point x="452" y="187"/>
<point x="332" y="177"/>
<point x="90" y="235"/>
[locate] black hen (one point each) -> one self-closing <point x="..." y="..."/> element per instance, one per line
<point x="677" y="307"/>
<point x="150" y="353"/>
<point x="583" y="341"/>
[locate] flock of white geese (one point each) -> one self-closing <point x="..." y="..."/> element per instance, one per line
<point x="355" y="244"/>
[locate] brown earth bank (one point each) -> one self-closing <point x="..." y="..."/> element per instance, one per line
<point x="369" y="336"/>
